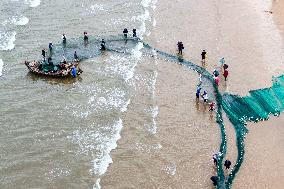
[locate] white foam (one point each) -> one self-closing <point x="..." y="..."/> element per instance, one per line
<point x="146" y="3"/>
<point x="96" y="7"/>
<point x="1" y="67"/>
<point x="152" y="128"/>
<point x="101" y="163"/>
<point x="33" y="3"/>
<point x="171" y="169"/>
<point x="97" y="185"/>
<point x="7" y="40"/>
<point x="19" y="20"/>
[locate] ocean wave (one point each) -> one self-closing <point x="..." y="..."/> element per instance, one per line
<point x="19" y="20"/>
<point x="1" y="67"/>
<point x="7" y="40"/>
<point x="33" y="3"/>
<point x="16" y="20"/>
<point x="101" y="163"/>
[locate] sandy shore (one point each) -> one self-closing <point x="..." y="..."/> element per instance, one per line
<point x="247" y="37"/>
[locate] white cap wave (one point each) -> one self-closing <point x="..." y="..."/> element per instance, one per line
<point x="33" y="3"/>
<point x="1" y="67"/>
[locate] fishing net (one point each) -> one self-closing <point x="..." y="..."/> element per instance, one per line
<point x="119" y="44"/>
<point x="258" y="105"/>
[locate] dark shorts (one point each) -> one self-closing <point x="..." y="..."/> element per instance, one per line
<point x="197" y="95"/>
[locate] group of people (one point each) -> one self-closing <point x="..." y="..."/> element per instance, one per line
<point x="227" y="165"/>
<point x="125" y="32"/>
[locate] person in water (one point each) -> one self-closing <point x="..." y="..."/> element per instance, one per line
<point x="125" y="32"/>
<point x="103" y="47"/>
<point x="74" y="71"/>
<point x="203" y="56"/>
<point x="64" y="40"/>
<point x="76" y="58"/>
<point x="49" y="61"/>
<point x="225" y="74"/>
<point x="217" y="80"/>
<point x="180" y="47"/>
<point x="212" y="106"/>
<point x="86" y="36"/>
<point x="227" y="164"/>
<point x="134" y="32"/>
<point x="215" y="159"/>
<point x="214" y="180"/>
<point x="43" y="53"/>
<point x="198" y="91"/>
<point x="205" y="96"/>
<point x="50" y="46"/>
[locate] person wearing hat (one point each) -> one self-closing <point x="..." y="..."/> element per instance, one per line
<point x="180" y="47"/>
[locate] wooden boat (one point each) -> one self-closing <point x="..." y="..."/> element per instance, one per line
<point x="62" y="70"/>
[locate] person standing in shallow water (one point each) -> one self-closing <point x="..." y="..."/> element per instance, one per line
<point x="225" y="74"/>
<point x="86" y="37"/>
<point x="43" y="53"/>
<point x="180" y="47"/>
<point x="227" y="164"/>
<point x="103" y="47"/>
<point x="125" y="32"/>
<point x="64" y="40"/>
<point x="134" y="32"/>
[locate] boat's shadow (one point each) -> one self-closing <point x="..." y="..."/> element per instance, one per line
<point x="53" y="80"/>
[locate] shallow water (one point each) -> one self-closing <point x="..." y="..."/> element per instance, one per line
<point x="59" y="133"/>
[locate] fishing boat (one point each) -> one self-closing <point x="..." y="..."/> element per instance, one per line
<point x="44" y="69"/>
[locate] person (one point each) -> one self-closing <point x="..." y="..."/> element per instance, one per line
<point x="215" y="73"/>
<point x="86" y="36"/>
<point x="64" y="39"/>
<point x="64" y="60"/>
<point x="212" y="106"/>
<point x="134" y="32"/>
<point x="225" y="74"/>
<point x="50" y="46"/>
<point x="227" y="164"/>
<point x="180" y="47"/>
<point x="200" y="79"/>
<point x="214" y="180"/>
<point x="103" y="47"/>
<point x="205" y="96"/>
<point x="43" y="53"/>
<point x="217" y="80"/>
<point x="76" y="58"/>
<point x="125" y="32"/>
<point x="49" y="61"/>
<point x="222" y="61"/>
<point x="198" y="91"/>
<point x="203" y="56"/>
<point x="215" y="159"/>
<point x="73" y="71"/>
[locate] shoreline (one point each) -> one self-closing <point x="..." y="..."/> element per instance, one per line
<point x="247" y="36"/>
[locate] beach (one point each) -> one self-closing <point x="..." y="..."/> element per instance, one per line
<point x="131" y="120"/>
<point x="246" y="35"/>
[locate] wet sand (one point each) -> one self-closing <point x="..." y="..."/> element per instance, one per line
<point x="265" y="140"/>
<point x="249" y="40"/>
